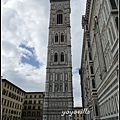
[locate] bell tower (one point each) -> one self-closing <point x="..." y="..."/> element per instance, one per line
<point x="58" y="88"/>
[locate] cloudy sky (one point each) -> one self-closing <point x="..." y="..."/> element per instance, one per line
<point x="24" y="43"/>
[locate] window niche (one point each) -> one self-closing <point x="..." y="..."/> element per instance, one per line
<point x="91" y="69"/>
<point x="93" y="83"/>
<point x="66" y="88"/>
<point x="62" y="57"/>
<point x="96" y="109"/>
<point x="56" y="87"/>
<point x="56" y="38"/>
<point x="62" y="37"/>
<point x="61" y="88"/>
<point x="88" y="44"/>
<point x="90" y="56"/>
<point x="116" y="21"/>
<point x="59" y="18"/>
<point x="55" y="57"/>
<point x="50" y="88"/>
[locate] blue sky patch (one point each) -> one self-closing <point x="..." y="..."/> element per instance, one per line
<point x="30" y="59"/>
<point x="76" y="71"/>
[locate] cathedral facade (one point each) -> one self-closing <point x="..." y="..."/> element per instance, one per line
<point x="99" y="63"/>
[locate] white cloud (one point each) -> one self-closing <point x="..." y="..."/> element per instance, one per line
<point x="26" y="22"/>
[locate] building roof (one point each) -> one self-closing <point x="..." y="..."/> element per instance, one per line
<point x="5" y="80"/>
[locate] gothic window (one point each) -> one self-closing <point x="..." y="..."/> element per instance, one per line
<point x="110" y="34"/>
<point x="85" y="57"/>
<point x="62" y="57"/>
<point x="56" y="76"/>
<point x="107" y="10"/>
<point x="112" y="104"/>
<point x="51" y="77"/>
<point x="60" y="87"/>
<point x="56" y="87"/>
<point x="59" y="18"/>
<point x="86" y="27"/>
<point x="91" y="69"/>
<point x="62" y="37"/>
<point x="93" y="83"/>
<point x="50" y="88"/>
<point x="55" y="57"/>
<point x="105" y="13"/>
<point x="66" y="88"/>
<point x="90" y="56"/>
<point x="56" y="37"/>
<point x="116" y="20"/>
<point x="116" y="102"/>
<point x="88" y="44"/>
<point x="113" y="4"/>
<point x="113" y="32"/>
<point x="96" y="109"/>
<point x="61" y="76"/>
<point x="66" y="76"/>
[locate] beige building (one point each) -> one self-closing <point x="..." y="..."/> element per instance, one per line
<point x="99" y="66"/>
<point x="33" y="106"/>
<point x="78" y="115"/>
<point x="20" y="105"/>
<point x="12" y="101"/>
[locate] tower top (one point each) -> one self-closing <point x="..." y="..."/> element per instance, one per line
<point x="58" y="0"/>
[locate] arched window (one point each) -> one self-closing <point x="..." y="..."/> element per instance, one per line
<point x="91" y="69"/>
<point x="90" y="56"/>
<point x="93" y="83"/>
<point x="59" y="18"/>
<point x="55" y="57"/>
<point x="62" y="37"/>
<point x="62" y="57"/>
<point x="56" y="37"/>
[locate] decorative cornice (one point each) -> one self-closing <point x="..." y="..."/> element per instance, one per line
<point x="87" y="9"/>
